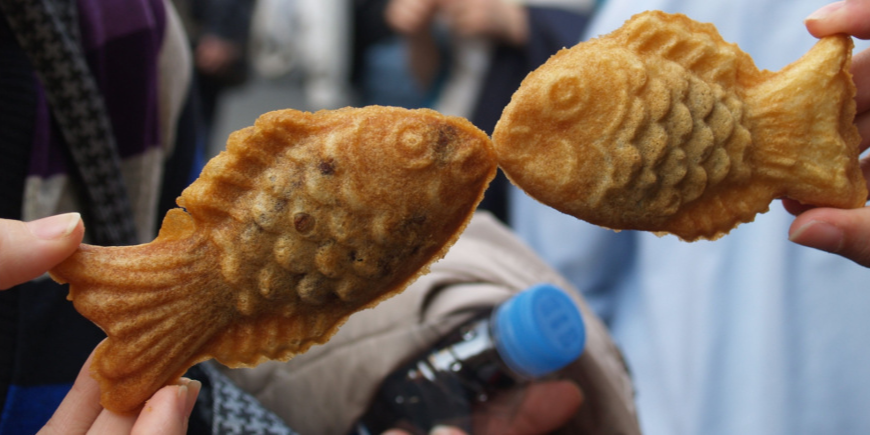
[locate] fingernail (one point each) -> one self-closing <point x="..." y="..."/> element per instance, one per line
<point x="819" y="235"/>
<point x="55" y="227"/>
<point x="825" y="11"/>
<point x="193" y="388"/>
<point x="181" y="394"/>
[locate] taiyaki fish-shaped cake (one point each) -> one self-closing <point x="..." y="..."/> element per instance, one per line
<point x="305" y="219"/>
<point x="663" y="126"/>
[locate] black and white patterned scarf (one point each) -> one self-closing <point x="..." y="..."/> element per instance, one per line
<point x="48" y="32"/>
<point x="233" y="411"/>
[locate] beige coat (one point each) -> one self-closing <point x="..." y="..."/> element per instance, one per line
<point x="326" y="389"/>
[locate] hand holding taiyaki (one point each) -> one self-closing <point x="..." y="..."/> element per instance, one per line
<point x="304" y="220"/>
<point x="28" y="250"/>
<point x="843" y="232"/>
<point x="663" y="126"/>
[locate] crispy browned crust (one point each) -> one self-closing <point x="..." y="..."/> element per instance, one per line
<point x="304" y="220"/>
<point x="663" y="126"/>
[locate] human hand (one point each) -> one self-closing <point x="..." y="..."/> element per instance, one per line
<point x="167" y="412"/>
<point x="847" y="16"/>
<point x="29" y="249"/>
<point x="842" y="232"/>
<point x="545" y="407"/>
<point x="501" y="20"/>
<point x="410" y="17"/>
<point x="215" y="55"/>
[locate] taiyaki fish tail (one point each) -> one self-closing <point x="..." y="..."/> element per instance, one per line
<point x="802" y="123"/>
<point x="153" y="282"/>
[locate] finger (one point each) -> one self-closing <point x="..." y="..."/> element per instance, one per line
<point x="27" y="250"/>
<point x="842" y="232"/>
<point x="473" y="18"/>
<point x="862" y="121"/>
<point x="109" y="422"/>
<point x="80" y="408"/>
<point x="546" y="407"/>
<point x="795" y="207"/>
<point x="409" y="16"/>
<point x="846" y="16"/>
<point x="446" y="430"/>
<point x="452" y="8"/>
<point x="861" y="76"/>
<point x="168" y="411"/>
<point x="541" y="408"/>
<point x="396" y="15"/>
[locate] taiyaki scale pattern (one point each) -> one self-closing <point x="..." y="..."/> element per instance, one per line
<point x="663" y="126"/>
<point x="305" y="219"/>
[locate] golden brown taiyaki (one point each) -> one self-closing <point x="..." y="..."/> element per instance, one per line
<point x="303" y="220"/>
<point x="663" y="126"/>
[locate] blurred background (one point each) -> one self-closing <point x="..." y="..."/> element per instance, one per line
<point x="240" y="107"/>
<point x="460" y="57"/>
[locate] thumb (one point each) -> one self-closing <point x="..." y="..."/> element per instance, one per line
<point x="29" y="249"/>
<point x="842" y="232"/>
<point x="846" y="16"/>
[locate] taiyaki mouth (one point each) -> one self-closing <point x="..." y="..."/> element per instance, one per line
<point x="303" y="220"/>
<point x="663" y="126"/>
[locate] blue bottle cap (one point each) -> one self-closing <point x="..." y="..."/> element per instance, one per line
<point x="539" y="331"/>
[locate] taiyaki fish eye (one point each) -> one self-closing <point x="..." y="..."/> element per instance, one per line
<point x="566" y="93"/>
<point x="413" y="144"/>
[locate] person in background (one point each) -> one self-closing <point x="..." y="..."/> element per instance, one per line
<point x="380" y="73"/>
<point x="470" y="56"/>
<point x="751" y="333"/>
<point x="218" y="32"/>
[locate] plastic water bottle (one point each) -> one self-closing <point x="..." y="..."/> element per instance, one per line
<point x="529" y="336"/>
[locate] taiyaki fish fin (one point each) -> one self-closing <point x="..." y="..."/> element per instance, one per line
<point x="118" y="287"/>
<point x="279" y="337"/>
<point x="695" y="46"/>
<point x="802" y="122"/>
